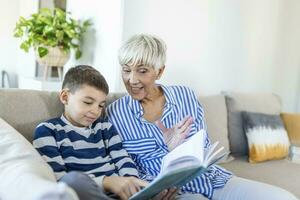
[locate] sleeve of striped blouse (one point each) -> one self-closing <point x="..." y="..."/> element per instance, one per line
<point x="119" y="155"/>
<point x="46" y="145"/>
<point x="200" y="119"/>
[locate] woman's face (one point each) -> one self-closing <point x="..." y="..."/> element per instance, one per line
<point x="139" y="80"/>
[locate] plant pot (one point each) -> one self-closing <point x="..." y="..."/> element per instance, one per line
<point x="56" y="57"/>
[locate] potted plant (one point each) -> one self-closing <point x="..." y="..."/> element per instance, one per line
<point x="52" y="34"/>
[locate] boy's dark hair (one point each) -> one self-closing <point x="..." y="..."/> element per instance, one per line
<point x="84" y="74"/>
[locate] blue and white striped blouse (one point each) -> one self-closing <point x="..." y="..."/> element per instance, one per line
<point x="96" y="150"/>
<point x="144" y="140"/>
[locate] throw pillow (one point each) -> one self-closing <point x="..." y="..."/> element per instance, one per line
<point x="23" y="172"/>
<point x="267" y="138"/>
<point x="292" y="124"/>
<point x="236" y="102"/>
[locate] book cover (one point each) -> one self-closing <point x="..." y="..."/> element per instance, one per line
<point x="183" y="164"/>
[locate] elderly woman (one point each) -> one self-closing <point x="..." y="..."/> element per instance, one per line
<point x="153" y="119"/>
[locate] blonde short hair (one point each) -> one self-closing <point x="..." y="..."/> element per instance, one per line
<point x="143" y="49"/>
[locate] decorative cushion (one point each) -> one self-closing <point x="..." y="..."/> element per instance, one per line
<point x="24" y="174"/>
<point x="267" y="103"/>
<point x="267" y="138"/>
<point x="215" y="113"/>
<point x="292" y="125"/>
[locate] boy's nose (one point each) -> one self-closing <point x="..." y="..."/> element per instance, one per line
<point x="95" y="110"/>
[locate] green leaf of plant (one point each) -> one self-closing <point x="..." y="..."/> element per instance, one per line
<point x="18" y="33"/>
<point x="25" y="46"/>
<point x="59" y="35"/>
<point x="42" y="51"/>
<point x="78" y="54"/>
<point x="48" y="29"/>
<point x="45" y="12"/>
<point x="60" y="14"/>
<point x="70" y="32"/>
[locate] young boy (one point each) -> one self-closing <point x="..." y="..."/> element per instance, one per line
<point x="83" y="149"/>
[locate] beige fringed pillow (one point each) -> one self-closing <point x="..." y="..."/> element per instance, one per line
<point x="266" y="135"/>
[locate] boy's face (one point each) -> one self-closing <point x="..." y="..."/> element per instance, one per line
<point x="83" y="106"/>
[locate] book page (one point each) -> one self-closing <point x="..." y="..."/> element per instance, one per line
<point x="194" y="147"/>
<point x="213" y="156"/>
<point x="210" y="150"/>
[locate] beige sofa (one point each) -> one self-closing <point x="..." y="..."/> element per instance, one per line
<point x="24" y="109"/>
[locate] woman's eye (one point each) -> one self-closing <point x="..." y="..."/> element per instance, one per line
<point x="87" y="103"/>
<point x="126" y="70"/>
<point x="101" y="106"/>
<point x="142" y="71"/>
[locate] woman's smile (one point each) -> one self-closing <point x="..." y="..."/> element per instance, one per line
<point x="136" y="90"/>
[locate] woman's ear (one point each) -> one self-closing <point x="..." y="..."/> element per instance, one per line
<point x="64" y="96"/>
<point x="160" y="72"/>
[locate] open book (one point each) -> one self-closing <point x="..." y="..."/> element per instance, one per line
<point x="182" y="165"/>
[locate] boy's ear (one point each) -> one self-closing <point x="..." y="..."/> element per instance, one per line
<point x="160" y="72"/>
<point x="64" y="96"/>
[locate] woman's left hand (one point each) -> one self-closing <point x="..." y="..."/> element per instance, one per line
<point x="177" y="134"/>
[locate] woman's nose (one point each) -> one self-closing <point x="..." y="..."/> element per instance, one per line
<point x="133" y="78"/>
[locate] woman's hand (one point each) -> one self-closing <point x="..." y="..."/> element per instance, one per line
<point x="124" y="187"/>
<point x="168" y="194"/>
<point x="177" y="134"/>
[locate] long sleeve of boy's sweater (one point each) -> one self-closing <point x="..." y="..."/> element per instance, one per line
<point x="123" y="162"/>
<point x="46" y="145"/>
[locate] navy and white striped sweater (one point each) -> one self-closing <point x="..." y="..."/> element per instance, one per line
<point x="96" y="150"/>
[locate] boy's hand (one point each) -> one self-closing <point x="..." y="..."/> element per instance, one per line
<point x="177" y="134"/>
<point x="168" y="194"/>
<point x="124" y="187"/>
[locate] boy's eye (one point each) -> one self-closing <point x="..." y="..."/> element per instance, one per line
<point x="101" y="106"/>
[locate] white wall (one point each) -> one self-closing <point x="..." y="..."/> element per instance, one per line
<point x="8" y="52"/>
<point x="217" y="45"/>
<point x="25" y="62"/>
<point x="213" y="45"/>
<point x="102" y="41"/>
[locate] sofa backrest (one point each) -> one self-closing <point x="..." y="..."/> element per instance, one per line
<point x="25" y="109"/>
<point x="215" y="113"/>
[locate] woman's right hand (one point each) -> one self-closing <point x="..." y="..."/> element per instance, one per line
<point x="176" y="135"/>
<point x="124" y="187"/>
<point x="167" y="194"/>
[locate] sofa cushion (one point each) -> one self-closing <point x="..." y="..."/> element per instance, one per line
<point x="266" y="135"/>
<point x="24" y="174"/>
<point x="282" y="173"/>
<point x="215" y="113"/>
<point x="25" y="109"/>
<point x="253" y="102"/>
<point x="292" y="125"/>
